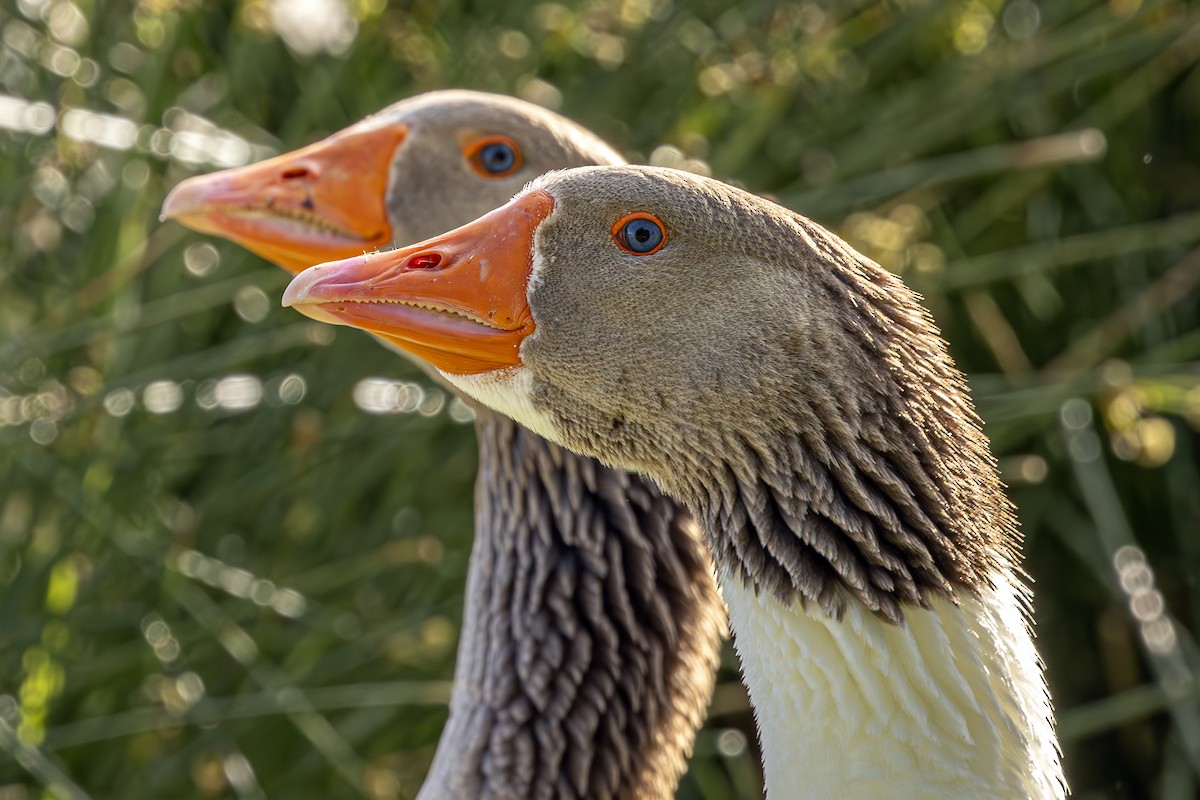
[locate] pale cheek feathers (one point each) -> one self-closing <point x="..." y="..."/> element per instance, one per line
<point x="508" y="391"/>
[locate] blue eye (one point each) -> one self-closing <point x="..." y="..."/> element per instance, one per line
<point x="495" y="157"/>
<point x="640" y="234"/>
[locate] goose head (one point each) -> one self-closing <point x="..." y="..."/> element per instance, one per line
<point x="789" y="390"/>
<point x="401" y="175"/>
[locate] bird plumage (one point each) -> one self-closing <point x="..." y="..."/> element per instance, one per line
<point x="801" y="402"/>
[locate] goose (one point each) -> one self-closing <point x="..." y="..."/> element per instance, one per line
<point x="592" y="625"/>
<point x="800" y="401"/>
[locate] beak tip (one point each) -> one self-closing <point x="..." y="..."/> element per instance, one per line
<point x="297" y="292"/>
<point x="173" y="204"/>
<point x="291" y="296"/>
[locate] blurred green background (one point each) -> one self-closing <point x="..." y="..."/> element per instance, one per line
<point x="233" y="543"/>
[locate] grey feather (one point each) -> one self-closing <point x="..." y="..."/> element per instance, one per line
<point x="590" y="636"/>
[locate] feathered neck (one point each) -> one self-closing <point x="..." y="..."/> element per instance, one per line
<point x="869" y="559"/>
<point x="591" y="632"/>
<point x="867" y="475"/>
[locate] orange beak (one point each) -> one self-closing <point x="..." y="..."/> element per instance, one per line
<point x="458" y="301"/>
<point x="320" y="203"/>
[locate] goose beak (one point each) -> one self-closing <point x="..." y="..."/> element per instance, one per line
<point x="320" y="203"/>
<point x="458" y="301"/>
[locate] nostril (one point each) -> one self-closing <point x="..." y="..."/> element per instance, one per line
<point x="424" y="261"/>
<point x="295" y="172"/>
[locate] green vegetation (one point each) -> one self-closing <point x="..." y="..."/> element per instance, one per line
<point x="220" y="577"/>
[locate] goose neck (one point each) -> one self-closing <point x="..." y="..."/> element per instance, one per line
<point x="590" y="636"/>
<point x="949" y="704"/>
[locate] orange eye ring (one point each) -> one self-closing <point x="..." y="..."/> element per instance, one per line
<point x="494" y="156"/>
<point x="639" y="239"/>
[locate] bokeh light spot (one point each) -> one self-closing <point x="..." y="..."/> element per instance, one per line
<point x="238" y="392"/>
<point x="162" y="397"/>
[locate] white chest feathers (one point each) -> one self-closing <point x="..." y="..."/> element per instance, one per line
<point x="950" y="705"/>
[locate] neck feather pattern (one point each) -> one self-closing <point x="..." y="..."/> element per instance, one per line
<point x="869" y="559"/>
<point x="875" y="499"/>
<point x="874" y="481"/>
<point x="591" y="632"/>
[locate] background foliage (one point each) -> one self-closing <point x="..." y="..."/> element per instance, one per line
<point x="221" y="577"/>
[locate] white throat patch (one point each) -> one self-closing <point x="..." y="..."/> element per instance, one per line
<point x="509" y="391"/>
